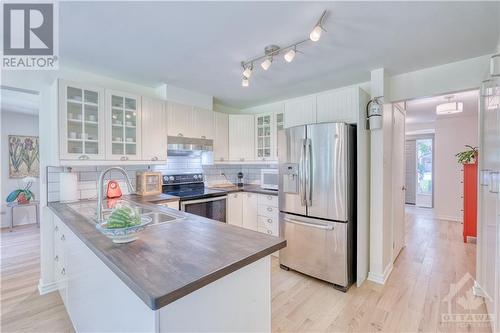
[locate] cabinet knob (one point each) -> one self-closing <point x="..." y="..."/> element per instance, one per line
<point x="56" y="258"/>
<point x="203" y="137"/>
<point x="269" y="221"/>
<point x="83" y="157"/>
<point x="63" y="271"/>
<point x="123" y="158"/>
<point x="269" y="232"/>
<point x="180" y="134"/>
<point x="63" y="238"/>
<point x="56" y="228"/>
<point x="154" y="158"/>
<point x="269" y="209"/>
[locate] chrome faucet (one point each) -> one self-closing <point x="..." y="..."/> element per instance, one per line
<point x="100" y="190"/>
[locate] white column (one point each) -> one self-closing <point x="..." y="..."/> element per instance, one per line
<point x="380" y="185"/>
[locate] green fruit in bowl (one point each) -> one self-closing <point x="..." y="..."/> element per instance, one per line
<point x="123" y="217"/>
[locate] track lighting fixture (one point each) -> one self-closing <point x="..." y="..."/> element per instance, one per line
<point x="315" y="34"/>
<point x="245" y="82"/>
<point x="247" y="72"/>
<point x="289" y="52"/>
<point x="290" y="55"/>
<point x="266" y="63"/>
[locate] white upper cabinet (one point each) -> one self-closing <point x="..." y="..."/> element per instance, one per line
<point x="203" y="122"/>
<point x="81" y="122"/>
<point x="265" y="137"/>
<point x="123" y="126"/>
<point x="180" y="120"/>
<point x="300" y="111"/>
<point x="338" y="106"/>
<point x="221" y="137"/>
<point x="154" y="130"/>
<point x="241" y="138"/>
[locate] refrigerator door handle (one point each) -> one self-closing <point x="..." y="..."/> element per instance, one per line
<point x="302" y="183"/>
<point x="312" y="225"/>
<point x="308" y="175"/>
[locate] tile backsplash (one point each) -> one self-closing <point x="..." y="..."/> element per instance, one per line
<point x="88" y="175"/>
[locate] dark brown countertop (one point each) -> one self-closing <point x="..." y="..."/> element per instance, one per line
<point x="245" y="188"/>
<point x="173" y="259"/>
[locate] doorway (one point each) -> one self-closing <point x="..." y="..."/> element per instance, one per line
<point x="419" y="173"/>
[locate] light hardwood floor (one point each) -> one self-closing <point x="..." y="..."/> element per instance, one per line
<point x="411" y="301"/>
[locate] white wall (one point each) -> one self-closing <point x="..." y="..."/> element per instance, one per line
<point x="16" y="124"/>
<point x="451" y="135"/>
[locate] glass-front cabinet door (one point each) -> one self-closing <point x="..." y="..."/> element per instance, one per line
<point x="279" y="126"/>
<point x="264" y="137"/>
<point x="123" y="129"/>
<point x="81" y="122"/>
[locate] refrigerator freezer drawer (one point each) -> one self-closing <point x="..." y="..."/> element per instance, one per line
<point x="315" y="247"/>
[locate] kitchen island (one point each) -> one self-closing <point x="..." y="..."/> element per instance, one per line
<point x="189" y="274"/>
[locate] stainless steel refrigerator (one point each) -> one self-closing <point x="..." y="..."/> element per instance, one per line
<point x="317" y="201"/>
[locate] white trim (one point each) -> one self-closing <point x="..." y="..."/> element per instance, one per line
<point x="381" y="278"/>
<point x="45" y="288"/>
<point x="448" y="218"/>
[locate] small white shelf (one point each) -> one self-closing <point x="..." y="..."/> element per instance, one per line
<point x="75" y="101"/>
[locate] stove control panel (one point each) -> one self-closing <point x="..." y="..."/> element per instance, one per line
<point x="186" y="178"/>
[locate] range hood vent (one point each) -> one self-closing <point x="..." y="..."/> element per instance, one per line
<point x="182" y="146"/>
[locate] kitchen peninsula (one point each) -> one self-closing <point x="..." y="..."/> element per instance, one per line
<point x="190" y="274"/>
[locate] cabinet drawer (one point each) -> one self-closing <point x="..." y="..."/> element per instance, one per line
<point x="269" y="211"/>
<point x="265" y="230"/>
<point x="270" y="200"/>
<point x="269" y="223"/>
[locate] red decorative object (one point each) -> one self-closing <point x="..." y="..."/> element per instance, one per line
<point x="470" y="200"/>
<point x="114" y="190"/>
<point x="21" y="199"/>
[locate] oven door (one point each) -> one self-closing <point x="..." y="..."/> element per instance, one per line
<point x="213" y="208"/>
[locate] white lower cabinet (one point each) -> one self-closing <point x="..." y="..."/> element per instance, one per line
<point x="60" y="258"/>
<point x="258" y="212"/>
<point x="235" y="209"/>
<point x="249" y="210"/>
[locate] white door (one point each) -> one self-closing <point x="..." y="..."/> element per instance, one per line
<point x="235" y="209"/>
<point x="241" y="138"/>
<point x="81" y="122"/>
<point x="123" y="127"/>
<point x="221" y="144"/>
<point x="300" y="111"/>
<point x="180" y="120"/>
<point x="203" y="122"/>
<point x="249" y="210"/>
<point x="154" y="130"/>
<point x="398" y="180"/>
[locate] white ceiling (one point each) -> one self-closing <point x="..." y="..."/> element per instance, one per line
<point x="199" y="45"/>
<point x="18" y="101"/>
<point x="423" y="110"/>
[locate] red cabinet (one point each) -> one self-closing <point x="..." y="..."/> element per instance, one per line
<point x="470" y="200"/>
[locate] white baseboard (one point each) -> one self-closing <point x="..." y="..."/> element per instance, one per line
<point x="45" y="288"/>
<point x="381" y="278"/>
<point x="448" y="218"/>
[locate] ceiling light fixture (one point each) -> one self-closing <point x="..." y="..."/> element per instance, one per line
<point x="290" y="51"/>
<point x="449" y="107"/>
<point x="290" y="55"/>
<point x="247" y="71"/>
<point x="315" y="34"/>
<point x="245" y="82"/>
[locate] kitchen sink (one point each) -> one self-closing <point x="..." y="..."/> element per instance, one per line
<point x="88" y="209"/>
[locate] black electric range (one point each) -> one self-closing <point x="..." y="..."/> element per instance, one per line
<point x="195" y="198"/>
<point x="189" y="187"/>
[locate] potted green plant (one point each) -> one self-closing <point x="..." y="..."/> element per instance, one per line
<point x="467" y="157"/>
